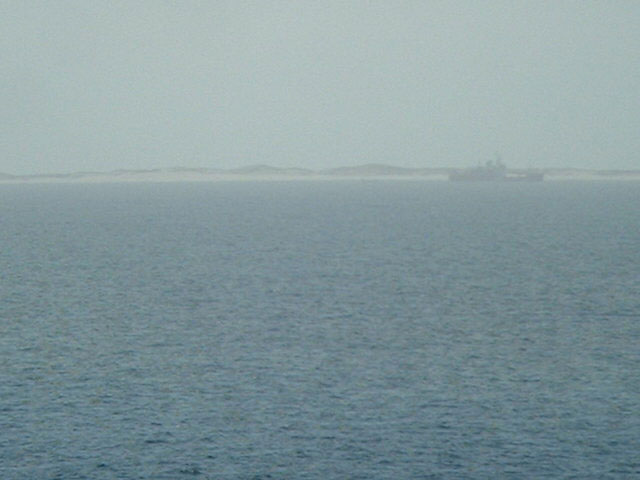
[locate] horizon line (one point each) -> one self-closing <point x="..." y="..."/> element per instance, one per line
<point x="265" y="169"/>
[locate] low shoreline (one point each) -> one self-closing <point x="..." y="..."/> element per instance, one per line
<point x="264" y="173"/>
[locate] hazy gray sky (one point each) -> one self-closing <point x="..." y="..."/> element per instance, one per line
<point x="101" y="85"/>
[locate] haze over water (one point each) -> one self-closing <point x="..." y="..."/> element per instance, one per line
<point x="110" y="85"/>
<point x="320" y="330"/>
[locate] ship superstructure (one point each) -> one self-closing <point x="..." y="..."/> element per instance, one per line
<point x="494" y="171"/>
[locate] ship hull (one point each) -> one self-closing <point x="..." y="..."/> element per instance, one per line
<point x="483" y="177"/>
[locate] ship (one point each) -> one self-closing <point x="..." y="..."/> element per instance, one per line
<point x="494" y="171"/>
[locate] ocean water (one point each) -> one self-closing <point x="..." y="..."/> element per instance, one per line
<point x="320" y="330"/>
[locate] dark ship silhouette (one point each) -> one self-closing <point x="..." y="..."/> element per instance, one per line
<point x="494" y="171"/>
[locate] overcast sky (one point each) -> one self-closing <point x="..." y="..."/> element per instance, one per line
<point x="102" y="85"/>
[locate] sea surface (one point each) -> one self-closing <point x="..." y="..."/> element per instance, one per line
<point x="320" y="330"/>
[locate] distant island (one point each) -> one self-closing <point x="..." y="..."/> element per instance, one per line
<point x="267" y="172"/>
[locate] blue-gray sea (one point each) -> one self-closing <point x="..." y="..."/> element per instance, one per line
<point x="320" y="330"/>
